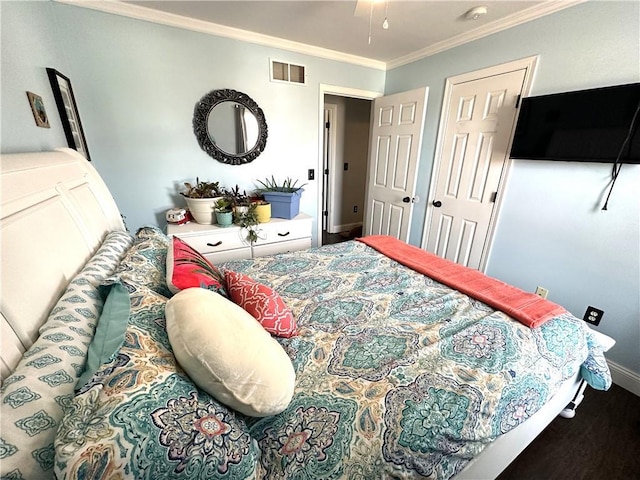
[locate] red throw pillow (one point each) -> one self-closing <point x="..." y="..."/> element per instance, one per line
<point x="263" y="303"/>
<point x="188" y="268"/>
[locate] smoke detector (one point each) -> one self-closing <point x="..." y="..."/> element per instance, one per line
<point x="476" y="12"/>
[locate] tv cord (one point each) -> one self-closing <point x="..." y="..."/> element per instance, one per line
<point x="615" y="169"/>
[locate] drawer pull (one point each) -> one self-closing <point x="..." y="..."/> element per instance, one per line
<point x="283" y="234"/>
<point x="217" y="244"/>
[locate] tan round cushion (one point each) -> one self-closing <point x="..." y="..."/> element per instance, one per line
<point x="228" y="354"/>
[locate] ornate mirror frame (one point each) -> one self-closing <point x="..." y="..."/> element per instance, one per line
<point x="201" y="121"/>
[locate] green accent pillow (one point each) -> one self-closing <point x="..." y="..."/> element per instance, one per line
<point x="110" y="331"/>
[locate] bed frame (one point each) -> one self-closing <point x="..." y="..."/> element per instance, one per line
<point x="55" y="212"/>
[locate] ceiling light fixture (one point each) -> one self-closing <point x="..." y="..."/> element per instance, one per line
<point x="476" y="12"/>
<point x="385" y="24"/>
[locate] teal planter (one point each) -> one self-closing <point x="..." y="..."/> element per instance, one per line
<point x="224" y="219"/>
<point x="284" y="204"/>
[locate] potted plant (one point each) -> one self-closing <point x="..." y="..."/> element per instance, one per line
<point x="201" y="199"/>
<point x="224" y="214"/>
<point x="263" y="210"/>
<point x="239" y="201"/>
<point x="248" y="221"/>
<point x="284" y="197"/>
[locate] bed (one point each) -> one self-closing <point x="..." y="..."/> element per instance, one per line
<point x="395" y="374"/>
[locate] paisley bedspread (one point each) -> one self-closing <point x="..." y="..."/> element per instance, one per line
<point x="397" y="376"/>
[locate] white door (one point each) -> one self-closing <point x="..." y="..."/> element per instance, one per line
<point x="475" y="134"/>
<point x="394" y="151"/>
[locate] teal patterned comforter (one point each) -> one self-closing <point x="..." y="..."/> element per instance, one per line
<point x="398" y="376"/>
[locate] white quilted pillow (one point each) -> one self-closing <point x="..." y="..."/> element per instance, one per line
<point x="228" y="354"/>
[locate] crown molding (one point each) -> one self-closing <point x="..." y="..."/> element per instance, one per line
<point x="513" y="20"/>
<point x="139" y="12"/>
<point x="169" y="19"/>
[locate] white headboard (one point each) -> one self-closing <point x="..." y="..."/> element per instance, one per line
<point x="56" y="210"/>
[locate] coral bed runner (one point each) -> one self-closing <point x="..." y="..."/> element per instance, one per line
<point x="527" y="308"/>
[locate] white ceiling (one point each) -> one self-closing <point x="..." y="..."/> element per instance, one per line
<point x="416" y="28"/>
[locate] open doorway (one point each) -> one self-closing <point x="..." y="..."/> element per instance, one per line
<point x="347" y="123"/>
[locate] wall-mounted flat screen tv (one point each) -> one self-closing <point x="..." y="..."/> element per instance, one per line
<point x="582" y="126"/>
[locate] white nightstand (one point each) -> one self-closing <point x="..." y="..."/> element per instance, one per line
<point x="221" y="244"/>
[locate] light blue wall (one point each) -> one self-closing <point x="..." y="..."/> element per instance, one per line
<point x="28" y="45"/>
<point x="136" y="84"/>
<point x="551" y="231"/>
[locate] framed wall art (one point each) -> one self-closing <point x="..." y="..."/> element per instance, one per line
<point x="68" y="110"/>
<point x="39" y="112"/>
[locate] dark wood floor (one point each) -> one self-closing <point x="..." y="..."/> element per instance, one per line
<point x="602" y="442"/>
<point x="330" y="238"/>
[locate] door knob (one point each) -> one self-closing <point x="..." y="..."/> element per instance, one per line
<point x="436" y="203"/>
<point x="406" y="199"/>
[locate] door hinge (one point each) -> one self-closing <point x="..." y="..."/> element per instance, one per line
<point x="325" y="213"/>
<point x="518" y="100"/>
<point x="494" y="195"/>
<point x="327" y="125"/>
<point x="326" y="171"/>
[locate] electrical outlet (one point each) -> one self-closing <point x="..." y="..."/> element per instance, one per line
<point x="593" y="315"/>
<point x="355" y="209"/>
<point x="542" y="292"/>
<point x="312" y="174"/>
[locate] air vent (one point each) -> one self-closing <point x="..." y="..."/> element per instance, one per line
<point x="287" y="72"/>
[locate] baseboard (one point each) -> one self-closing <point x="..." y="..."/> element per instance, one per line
<point x="345" y="227"/>
<point x="625" y="378"/>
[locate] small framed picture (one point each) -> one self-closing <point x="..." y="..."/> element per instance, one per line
<point x="68" y="110"/>
<point x="39" y="112"/>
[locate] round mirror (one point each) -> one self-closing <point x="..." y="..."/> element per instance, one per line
<point x="233" y="128"/>
<point x="230" y="126"/>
